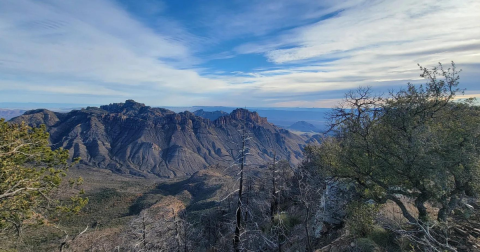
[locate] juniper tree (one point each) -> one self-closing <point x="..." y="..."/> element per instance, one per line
<point x="30" y="171"/>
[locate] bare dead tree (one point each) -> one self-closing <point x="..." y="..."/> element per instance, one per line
<point x="426" y="236"/>
<point x="160" y="230"/>
<point x="67" y="240"/>
<point x="274" y="200"/>
<point x="138" y="237"/>
<point x="238" y="223"/>
<point x="307" y="195"/>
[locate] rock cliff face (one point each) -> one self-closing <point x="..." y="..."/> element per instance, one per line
<point x="137" y="139"/>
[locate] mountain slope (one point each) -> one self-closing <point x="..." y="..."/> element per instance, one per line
<point x="137" y="139"/>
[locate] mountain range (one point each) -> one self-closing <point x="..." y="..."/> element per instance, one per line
<point x="136" y="139"/>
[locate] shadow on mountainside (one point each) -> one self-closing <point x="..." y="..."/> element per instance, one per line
<point x="198" y="192"/>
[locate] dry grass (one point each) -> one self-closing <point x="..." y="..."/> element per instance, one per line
<point x="391" y="211"/>
<point x="98" y="240"/>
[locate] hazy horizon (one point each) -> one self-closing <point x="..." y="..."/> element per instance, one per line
<point x="46" y="105"/>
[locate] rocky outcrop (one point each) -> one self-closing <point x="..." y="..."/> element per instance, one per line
<point x="137" y="139"/>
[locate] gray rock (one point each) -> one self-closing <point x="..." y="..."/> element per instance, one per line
<point x="332" y="211"/>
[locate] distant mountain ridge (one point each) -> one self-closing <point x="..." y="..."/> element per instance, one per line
<point x="137" y="139"/>
<point x="10" y="113"/>
<point x="303" y="127"/>
<point x="283" y="117"/>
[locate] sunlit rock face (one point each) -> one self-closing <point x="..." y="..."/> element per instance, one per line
<point x="137" y="139"/>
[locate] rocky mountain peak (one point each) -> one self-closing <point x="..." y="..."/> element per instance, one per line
<point x="242" y="116"/>
<point x="245" y="115"/>
<point x="129" y="107"/>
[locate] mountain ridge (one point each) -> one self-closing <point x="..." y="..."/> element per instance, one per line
<point x="137" y="139"/>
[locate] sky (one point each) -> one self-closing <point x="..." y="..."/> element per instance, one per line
<point x="280" y="53"/>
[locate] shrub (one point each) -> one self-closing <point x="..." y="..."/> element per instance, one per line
<point x="360" y="218"/>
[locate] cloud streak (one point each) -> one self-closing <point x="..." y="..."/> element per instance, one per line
<point x="376" y="43"/>
<point x="99" y="52"/>
<point x="64" y="42"/>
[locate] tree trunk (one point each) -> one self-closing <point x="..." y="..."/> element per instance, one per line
<point x="236" y="240"/>
<point x="402" y="207"/>
<point x="144" y="232"/>
<point x="274" y="201"/>
<point x="444" y="212"/>
<point x="307" y="233"/>
<point x="422" y="210"/>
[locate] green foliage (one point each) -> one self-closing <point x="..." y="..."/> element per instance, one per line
<point x="418" y="142"/>
<point x="366" y="245"/>
<point x="361" y="218"/>
<point x="107" y="207"/>
<point x="383" y="238"/>
<point x="30" y="171"/>
<point x="286" y="220"/>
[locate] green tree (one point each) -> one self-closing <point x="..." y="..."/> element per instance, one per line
<point x="419" y="143"/>
<point x="30" y="171"/>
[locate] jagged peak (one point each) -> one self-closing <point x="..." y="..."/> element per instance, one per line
<point x="241" y="114"/>
<point x="245" y="114"/>
<point x="132" y="103"/>
<point x="123" y="107"/>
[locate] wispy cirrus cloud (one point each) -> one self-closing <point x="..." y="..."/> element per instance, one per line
<point x="375" y="43"/>
<point x="99" y="44"/>
<point x="306" y="53"/>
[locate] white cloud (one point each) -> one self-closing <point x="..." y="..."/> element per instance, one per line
<point x="376" y="43"/>
<point x="324" y="103"/>
<point x="94" y="42"/>
<point x="239" y="18"/>
<point x="380" y="24"/>
<point x="97" y="48"/>
<point x="73" y="88"/>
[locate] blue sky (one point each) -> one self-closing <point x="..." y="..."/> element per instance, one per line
<point x="228" y="53"/>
